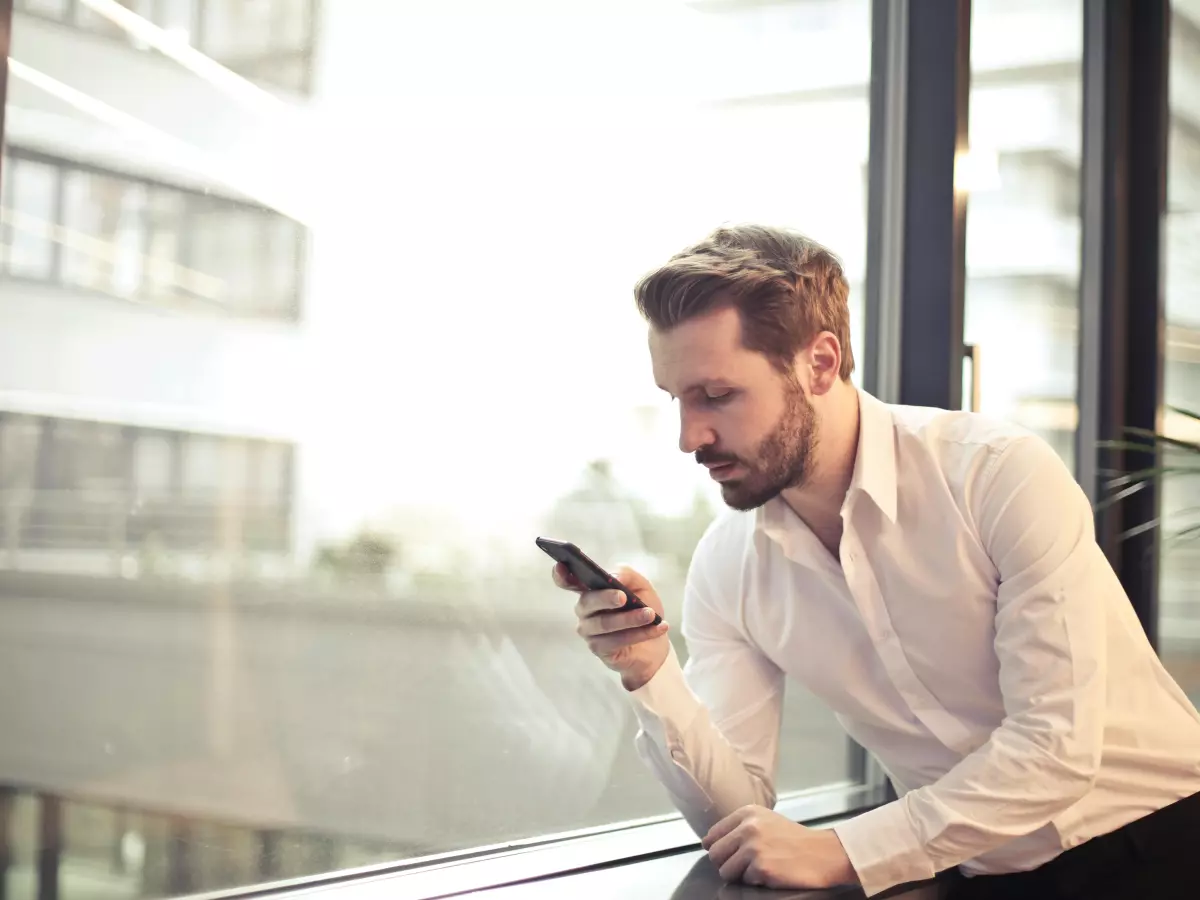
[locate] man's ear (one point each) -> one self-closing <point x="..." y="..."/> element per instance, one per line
<point x="823" y="358"/>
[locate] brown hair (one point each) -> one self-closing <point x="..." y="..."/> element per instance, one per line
<point x="786" y="288"/>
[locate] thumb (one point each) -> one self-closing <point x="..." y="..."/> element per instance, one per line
<point x="640" y="585"/>
<point x="631" y="578"/>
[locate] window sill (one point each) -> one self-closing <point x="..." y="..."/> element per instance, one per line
<point x="541" y="858"/>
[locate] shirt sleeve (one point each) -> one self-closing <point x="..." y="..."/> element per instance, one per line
<point x="1050" y="639"/>
<point x="710" y="730"/>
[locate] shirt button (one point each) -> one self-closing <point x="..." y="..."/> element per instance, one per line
<point x="678" y="755"/>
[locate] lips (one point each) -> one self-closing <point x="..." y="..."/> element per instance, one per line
<point x="721" y="471"/>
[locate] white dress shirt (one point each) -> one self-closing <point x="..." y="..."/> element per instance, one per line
<point x="972" y="636"/>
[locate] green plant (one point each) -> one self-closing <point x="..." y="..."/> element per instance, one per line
<point x="1161" y="457"/>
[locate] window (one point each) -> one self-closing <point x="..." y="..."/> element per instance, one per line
<point x="265" y="40"/>
<point x="93" y="21"/>
<point x="1179" y="625"/>
<point x="57" y="9"/>
<point x="105" y="239"/>
<point x="147" y="242"/>
<point x="1022" y="304"/>
<point x="76" y="486"/>
<point x="316" y="644"/>
<point x="31" y="218"/>
<point x="256" y="253"/>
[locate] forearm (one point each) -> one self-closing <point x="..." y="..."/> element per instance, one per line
<point x="703" y="772"/>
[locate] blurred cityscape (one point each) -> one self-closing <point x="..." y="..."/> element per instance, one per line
<point x="294" y="366"/>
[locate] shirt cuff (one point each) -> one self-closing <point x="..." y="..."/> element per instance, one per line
<point x="884" y="848"/>
<point x="666" y="699"/>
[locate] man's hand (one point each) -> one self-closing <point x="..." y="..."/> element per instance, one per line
<point x="761" y="847"/>
<point x="625" y="641"/>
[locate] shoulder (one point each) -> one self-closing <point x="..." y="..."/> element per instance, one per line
<point x="967" y="447"/>
<point x="1004" y="478"/>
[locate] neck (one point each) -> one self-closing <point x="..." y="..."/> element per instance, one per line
<point x="819" y="500"/>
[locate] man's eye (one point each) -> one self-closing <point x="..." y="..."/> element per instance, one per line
<point x="718" y="399"/>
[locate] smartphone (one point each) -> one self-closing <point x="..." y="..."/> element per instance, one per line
<point x="589" y="574"/>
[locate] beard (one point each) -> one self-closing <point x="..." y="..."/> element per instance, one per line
<point x="782" y="460"/>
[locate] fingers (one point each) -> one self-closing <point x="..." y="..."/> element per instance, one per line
<point x="725" y="826"/>
<point x="593" y="603"/>
<point x="721" y="850"/>
<point x="610" y="622"/>
<point x="755" y="875"/>
<point x="632" y="579"/>
<point x="607" y="644"/>
<point x="733" y="868"/>
<point x="564" y="579"/>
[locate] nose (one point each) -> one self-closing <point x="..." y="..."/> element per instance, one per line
<point x="694" y="432"/>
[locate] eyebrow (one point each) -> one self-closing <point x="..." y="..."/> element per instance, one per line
<point x="699" y="385"/>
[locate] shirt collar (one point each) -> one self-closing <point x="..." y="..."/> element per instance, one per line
<point x="875" y="461"/>
<point x="874" y="464"/>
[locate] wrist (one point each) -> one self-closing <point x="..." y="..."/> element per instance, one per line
<point x="639" y="676"/>
<point x="844" y="871"/>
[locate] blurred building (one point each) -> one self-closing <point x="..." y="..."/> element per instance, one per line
<point x="149" y="314"/>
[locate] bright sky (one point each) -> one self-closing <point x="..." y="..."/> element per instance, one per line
<point x="473" y="338"/>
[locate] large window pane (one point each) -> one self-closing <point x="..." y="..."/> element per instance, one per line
<point x="131" y="238"/>
<point x="104" y="217"/>
<point x="1179" y="627"/>
<point x="306" y="625"/>
<point x="31" y="218"/>
<point x="1022" y="299"/>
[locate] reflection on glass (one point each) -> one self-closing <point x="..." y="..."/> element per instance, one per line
<point x="1022" y="300"/>
<point x="278" y="586"/>
<point x="1179" y="573"/>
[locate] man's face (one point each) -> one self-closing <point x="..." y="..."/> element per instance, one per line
<point x="753" y="427"/>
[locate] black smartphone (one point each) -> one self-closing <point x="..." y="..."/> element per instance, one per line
<point x="589" y="574"/>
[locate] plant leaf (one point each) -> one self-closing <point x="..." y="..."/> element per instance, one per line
<point x="1163" y="439"/>
<point x="1153" y="472"/>
<point x="1117" y="497"/>
<point x="1185" y="412"/>
<point x="1130" y="446"/>
<point x="1140" y="529"/>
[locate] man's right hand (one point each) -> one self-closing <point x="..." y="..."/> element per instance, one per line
<point x="625" y="641"/>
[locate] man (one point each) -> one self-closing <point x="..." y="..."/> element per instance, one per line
<point x="932" y="575"/>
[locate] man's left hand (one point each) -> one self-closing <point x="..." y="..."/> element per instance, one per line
<point x="761" y="847"/>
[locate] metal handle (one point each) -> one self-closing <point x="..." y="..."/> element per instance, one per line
<point x="971" y="355"/>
